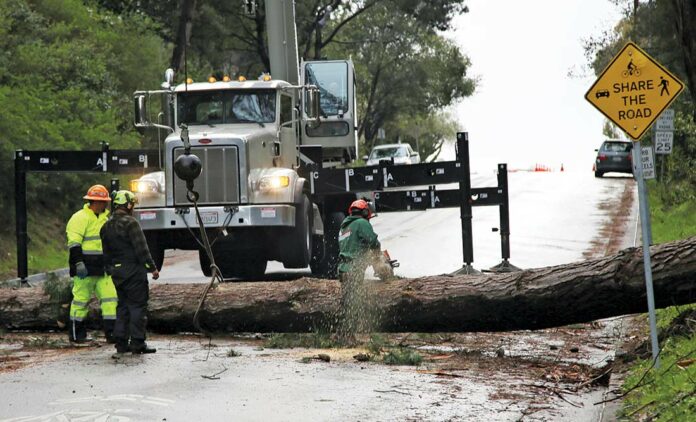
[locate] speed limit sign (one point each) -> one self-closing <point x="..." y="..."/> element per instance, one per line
<point x="663" y="142"/>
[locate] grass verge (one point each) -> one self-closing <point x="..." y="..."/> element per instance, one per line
<point x="46" y="250"/>
<point x="667" y="393"/>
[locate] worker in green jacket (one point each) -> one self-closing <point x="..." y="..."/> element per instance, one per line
<point x="87" y="266"/>
<point x="358" y="246"/>
<point x="357" y="242"/>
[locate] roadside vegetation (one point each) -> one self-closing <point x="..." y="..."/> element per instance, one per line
<point x="68" y="70"/>
<point x="666" y="31"/>
<point x="667" y="393"/>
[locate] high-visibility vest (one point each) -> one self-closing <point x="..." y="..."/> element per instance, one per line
<point x="83" y="232"/>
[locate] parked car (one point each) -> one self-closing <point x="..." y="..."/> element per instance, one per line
<point x="614" y="156"/>
<point x="401" y="153"/>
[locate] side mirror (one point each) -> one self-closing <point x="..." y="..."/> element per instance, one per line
<point x="414" y="154"/>
<point x="169" y="76"/>
<point x="140" y="104"/>
<point x="365" y="157"/>
<point x="313" y="106"/>
<point x="596" y="150"/>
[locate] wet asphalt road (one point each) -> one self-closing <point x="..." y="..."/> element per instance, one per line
<point x="554" y="217"/>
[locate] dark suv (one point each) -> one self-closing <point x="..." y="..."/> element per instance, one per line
<point x="614" y="156"/>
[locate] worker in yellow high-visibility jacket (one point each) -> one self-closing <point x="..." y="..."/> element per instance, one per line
<point x="87" y="266"/>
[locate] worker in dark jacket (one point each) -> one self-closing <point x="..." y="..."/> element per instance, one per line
<point x="358" y="246"/>
<point x="128" y="259"/>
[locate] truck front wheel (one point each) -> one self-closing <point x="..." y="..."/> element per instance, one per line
<point x="325" y="264"/>
<point x="245" y="269"/>
<point x="298" y="248"/>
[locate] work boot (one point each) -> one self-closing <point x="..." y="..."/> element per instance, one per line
<point x="121" y="345"/>
<point x="77" y="333"/>
<point x="141" y="348"/>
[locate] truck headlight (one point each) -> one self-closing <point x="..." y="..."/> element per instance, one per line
<point x="144" y="186"/>
<point x="268" y="183"/>
<point x="149" y="190"/>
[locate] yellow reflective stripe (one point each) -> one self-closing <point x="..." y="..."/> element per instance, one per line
<point x="74" y="244"/>
<point x="108" y="316"/>
<point x="84" y="252"/>
<point x="117" y="265"/>
<point x="86" y="238"/>
<point x="109" y="299"/>
<point x="78" y="303"/>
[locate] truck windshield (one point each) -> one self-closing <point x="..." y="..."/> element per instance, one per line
<point x="220" y="107"/>
<point x="332" y="80"/>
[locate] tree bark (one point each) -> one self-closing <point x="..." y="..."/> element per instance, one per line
<point x="684" y="19"/>
<point x="530" y="299"/>
<point x="183" y="35"/>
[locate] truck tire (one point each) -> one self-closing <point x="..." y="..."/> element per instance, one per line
<point x="248" y="269"/>
<point x="245" y="269"/>
<point x="598" y="173"/>
<point x="205" y="263"/>
<point x="326" y="265"/>
<point x="299" y="244"/>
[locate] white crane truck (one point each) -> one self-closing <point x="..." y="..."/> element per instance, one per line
<point x="249" y="135"/>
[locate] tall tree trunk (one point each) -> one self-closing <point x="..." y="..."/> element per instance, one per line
<point x="684" y="25"/>
<point x="183" y="35"/>
<point x="260" y="31"/>
<point x="530" y="299"/>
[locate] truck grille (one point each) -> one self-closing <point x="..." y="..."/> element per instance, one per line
<point x="219" y="180"/>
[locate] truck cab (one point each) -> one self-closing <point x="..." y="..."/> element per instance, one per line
<point x="254" y="204"/>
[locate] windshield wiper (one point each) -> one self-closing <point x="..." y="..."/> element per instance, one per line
<point x="250" y="121"/>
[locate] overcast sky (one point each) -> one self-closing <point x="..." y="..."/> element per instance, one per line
<point x="526" y="109"/>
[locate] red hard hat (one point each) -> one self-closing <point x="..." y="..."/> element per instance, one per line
<point x="361" y="205"/>
<point x="97" y="193"/>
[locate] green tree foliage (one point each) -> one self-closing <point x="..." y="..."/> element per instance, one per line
<point x="67" y="73"/>
<point x="427" y="133"/>
<point x="665" y="29"/>
<point x="405" y="70"/>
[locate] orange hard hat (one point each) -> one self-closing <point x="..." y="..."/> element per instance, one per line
<point x="362" y="207"/>
<point x="97" y="193"/>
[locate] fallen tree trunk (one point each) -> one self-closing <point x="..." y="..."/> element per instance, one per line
<point x="530" y="299"/>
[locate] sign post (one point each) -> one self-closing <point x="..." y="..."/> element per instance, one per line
<point x="664" y="137"/>
<point x="632" y="92"/>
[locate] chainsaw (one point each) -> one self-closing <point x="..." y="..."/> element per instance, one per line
<point x="383" y="265"/>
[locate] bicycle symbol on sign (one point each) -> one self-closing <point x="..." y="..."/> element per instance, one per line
<point x="631" y="70"/>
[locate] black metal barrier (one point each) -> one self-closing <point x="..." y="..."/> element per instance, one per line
<point x="104" y="161"/>
<point x="384" y="178"/>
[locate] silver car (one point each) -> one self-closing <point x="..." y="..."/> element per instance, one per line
<point x="401" y="153"/>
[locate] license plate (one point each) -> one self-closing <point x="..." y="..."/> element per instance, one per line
<point x="618" y="159"/>
<point x="148" y="215"/>
<point x="209" y="217"/>
<point x="268" y="213"/>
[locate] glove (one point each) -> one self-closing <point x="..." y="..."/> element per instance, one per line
<point x="81" y="270"/>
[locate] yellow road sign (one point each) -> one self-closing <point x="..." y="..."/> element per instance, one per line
<point x="633" y="90"/>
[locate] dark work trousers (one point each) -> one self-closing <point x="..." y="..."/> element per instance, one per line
<point x="131" y="314"/>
